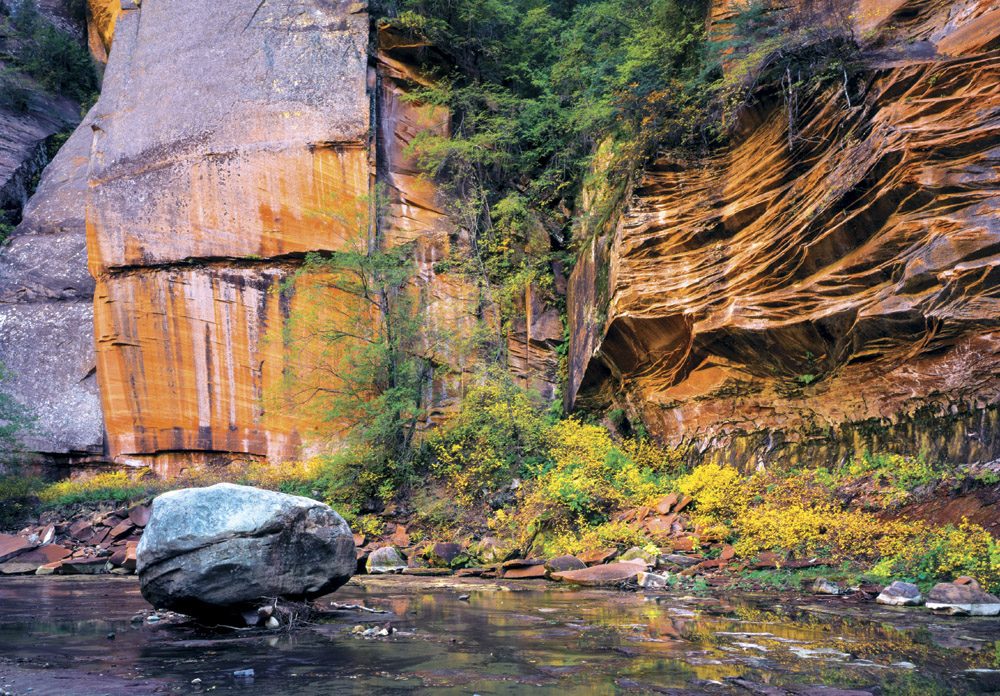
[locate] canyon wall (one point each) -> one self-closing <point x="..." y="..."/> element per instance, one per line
<point x="829" y="295"/>
<point x="799" y="296"/>
<point x="214" y="161"/>
<point x="220" y="156"/>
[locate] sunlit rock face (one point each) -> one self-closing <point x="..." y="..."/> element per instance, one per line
<point x="221" y="154"/>
<point x="101" y="18"/>
<point x="851" y="278"/>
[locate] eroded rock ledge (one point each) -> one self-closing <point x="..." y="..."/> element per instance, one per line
<point x="849" y="280"/>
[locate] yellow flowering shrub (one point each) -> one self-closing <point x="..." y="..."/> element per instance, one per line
<point x="589" y="475"/>
<point x="720" y="492"/>
<point x="499" y="433"/>
<point x="284" y="476"/>
<point x="823" y="529"/>
<point x="109" y="485"/>
<point x="586" y="477"/>
<point x="943" y="553"/>
<point x="575" y="539"/>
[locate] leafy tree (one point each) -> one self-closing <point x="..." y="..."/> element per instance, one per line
<point x="59" y="62"/>
<point x="533" y="87"/>
<point x="363" y="360"/>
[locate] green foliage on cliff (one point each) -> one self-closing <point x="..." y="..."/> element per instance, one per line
<point x="358" y="327"/>
<point x="535" y="85"/>
<point x="54" y="59"/>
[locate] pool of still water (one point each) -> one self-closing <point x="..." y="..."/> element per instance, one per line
<point x="75" y="636"/>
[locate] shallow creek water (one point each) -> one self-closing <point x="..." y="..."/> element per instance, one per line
<point x="522" y="639"/>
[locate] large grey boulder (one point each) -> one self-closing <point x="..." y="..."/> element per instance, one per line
<point x="219" y="550"/>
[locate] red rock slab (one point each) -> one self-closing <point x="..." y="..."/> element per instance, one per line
<point x="664" y="504"/>
<point x="768" y="559"/>
<point x="683" y="503"/>
<point x="400" y="537"/>
<point x="45" y="554"/>
<point x="684" y="543"/>
<point x="359" y="540"/>
<point x="598" y="575"/>
<point x="100" y="534"/>
<point x="83" y="566"/>
<point x="122" y="529"/>
<point x="705" y="566"/>
<point x="130" y="556"/>
<point x="117" y="559"/>
<point x="470" y="572"/>
<point x="29" y="561"/>
<point x="139" y="515"/>
<point x="661" y="525"/>
<point x="81" y="530"/>
<point x="112" y="520"/>
<point x="728" y="553"/>
<point x="531" y="572"/>
<point x="597" y="556"/>
<point x="48" y="568"/>
<point x="11" y="546"/>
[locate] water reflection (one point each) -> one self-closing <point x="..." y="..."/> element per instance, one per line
<point x="496" y="642"/>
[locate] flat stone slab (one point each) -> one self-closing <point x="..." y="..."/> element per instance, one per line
<point x="596" y="576"/>
<point x="11" y="546"/>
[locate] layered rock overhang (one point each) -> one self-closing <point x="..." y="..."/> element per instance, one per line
<point x="849" y="278"/>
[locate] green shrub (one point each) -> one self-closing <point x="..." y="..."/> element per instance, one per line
<point x="944" y="553"/>
<point x="60" y="63"/>
<point x="500" y="432"/>
<point x="902" y="472"/>
<point x="18" y="499"/>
